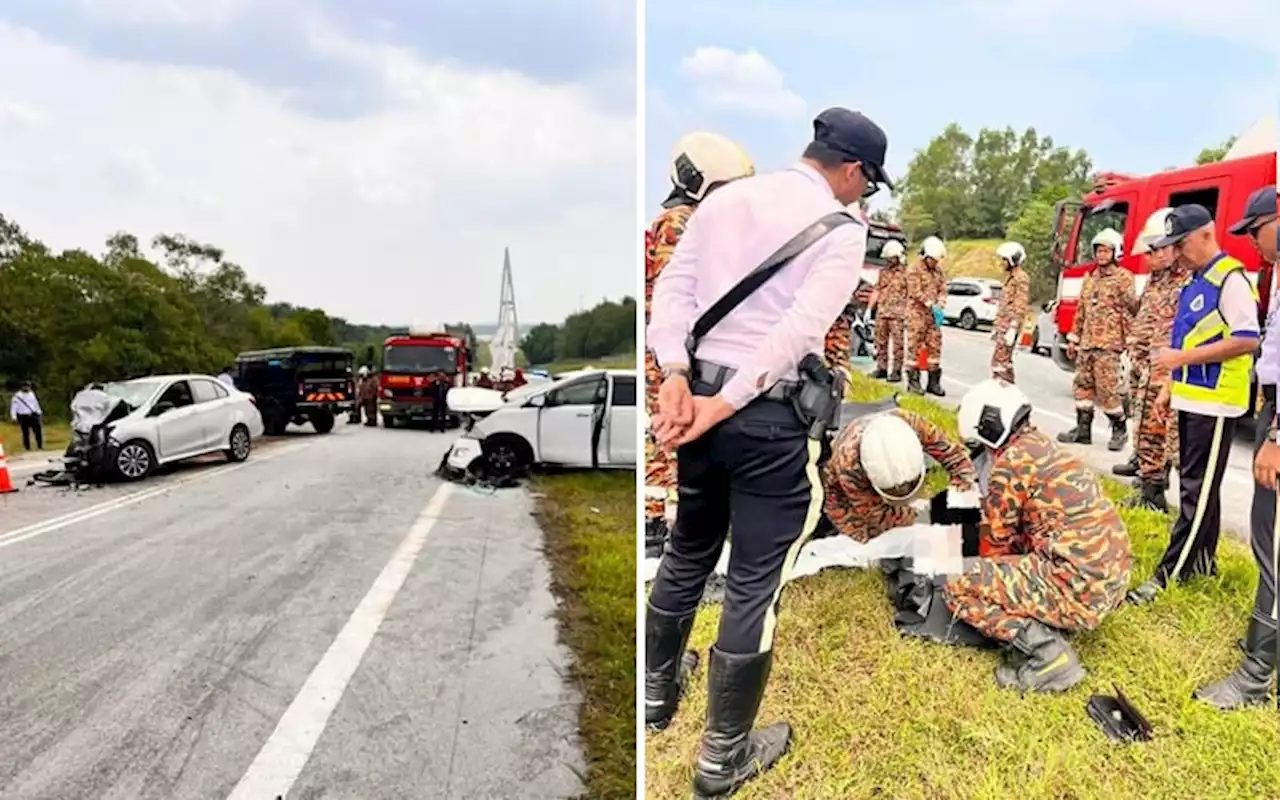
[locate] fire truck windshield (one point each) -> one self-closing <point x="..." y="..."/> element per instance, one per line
<point x="877" y="238"/>
<point x="419" y="359"/>
<point x="1112" y="216"/>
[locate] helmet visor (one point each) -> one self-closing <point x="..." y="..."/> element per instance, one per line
<point x="901" y="494"/>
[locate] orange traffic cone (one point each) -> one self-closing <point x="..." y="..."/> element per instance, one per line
<point x="6" y="485"/>
<point x="1026" y="339"/>
<point x="922" y="359"/>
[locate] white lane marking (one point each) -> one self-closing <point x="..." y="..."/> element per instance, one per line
<point x="57" y="523"/>
<point x="280" y="761"/>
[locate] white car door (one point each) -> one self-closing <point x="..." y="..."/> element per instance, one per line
<point x="958" y="298"/>
<point x="566" y="422"/>
<point x="179" y="431"/>
<point x="620" y="423"/>
<point x="213" y="402"/>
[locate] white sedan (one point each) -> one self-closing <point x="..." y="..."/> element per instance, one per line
<point x="175" y="417"/>
<point x="585" y="420"/>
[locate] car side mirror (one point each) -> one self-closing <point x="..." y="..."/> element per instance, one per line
<point x="163" y="407"/>
<point x="537" y="401"/>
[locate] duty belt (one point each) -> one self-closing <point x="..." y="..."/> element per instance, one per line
<point x="1269" y="394"/>
<point x="717" y="375"/>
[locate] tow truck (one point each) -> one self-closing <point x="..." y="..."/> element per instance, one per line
<point x="1123" y="202"/>
<point x="412" y="364"/>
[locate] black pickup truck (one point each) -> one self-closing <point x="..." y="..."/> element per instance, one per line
<point x="298" y="384"/>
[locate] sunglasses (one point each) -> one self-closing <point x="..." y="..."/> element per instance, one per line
<point x="872" y="186"/>
<point x="1254" y="229"/>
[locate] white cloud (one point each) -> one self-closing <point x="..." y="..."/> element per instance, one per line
<point x="166" y="12"/>
<point x="1102" y="22"/>
<point x="746" y="82"/>
<point x="394" y="216"/>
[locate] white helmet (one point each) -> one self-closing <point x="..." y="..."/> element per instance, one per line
<point x="1152" y="229"/>
<point x="364" y="372"/>
<point x="892" y="457"/>
<point x="991" y="412"/>
<point x="1109" y="237"/>
<point x="1012" y="253"/>
<point x="702" y="160"/>
<point x="893" y="249"/>
<point x="933" y="247"/>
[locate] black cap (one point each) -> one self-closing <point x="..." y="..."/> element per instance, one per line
<point x="854" y="137"/>
<point x="1182" y="221"/>
<point x="1262" y="203"/>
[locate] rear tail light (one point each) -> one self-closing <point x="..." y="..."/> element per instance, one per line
<point x="991" y="300"/>
<point x="301" y="389"/>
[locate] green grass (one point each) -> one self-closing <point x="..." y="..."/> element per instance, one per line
<point x="590" y="525"/>
<point x="56" y="437"/>
<point x="973" y="258"/>
<point x="622" y="361"/>
<point x="877" y="715"/>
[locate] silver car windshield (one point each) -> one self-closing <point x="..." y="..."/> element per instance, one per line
<point x="135" y="393"/>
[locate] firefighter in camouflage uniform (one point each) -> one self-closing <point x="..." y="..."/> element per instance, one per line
<point x="877" y="467"/>
<point x="1097" y="339"/>
<point x="1057" y="556"/>
<point x="926" y="293"/>
<point x="1151" y="329"/>
<point x="1013" y="309"/>
<point x="890" y="304"/>
<point x="700" y="163"/>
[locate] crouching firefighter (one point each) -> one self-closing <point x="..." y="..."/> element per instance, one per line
<point x="1054" y="555"/>
<point x="877" y="467"/>
<point x="747" y="399"/>
<point x="700" y="163"/>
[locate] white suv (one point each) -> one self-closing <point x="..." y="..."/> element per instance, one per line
<point x="972" y="301"/>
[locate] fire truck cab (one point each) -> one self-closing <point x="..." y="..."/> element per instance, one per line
<point x="412" y="365"/>
<point x="1124" y="202"/>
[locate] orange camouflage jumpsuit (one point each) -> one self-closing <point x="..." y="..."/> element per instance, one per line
<point x="1155" y="439"/>
<point x="1101" y="329"/>
<point x="926" y="288"/>
<point x="891" y="306"/>
<point x="850" y="502"/>
<point x="1057" y="551"/>
<point x="1010" y="316"/>
<point x="837" y="346"/>
<point x="659" y="462"/>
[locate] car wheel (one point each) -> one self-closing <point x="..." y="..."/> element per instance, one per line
<point x="240" y="444"/>
<point x="388" y="422"/>
<point x="506" y="456"/>
<point x="968" y="320"/>
<point x="134" y="460"/>
<point x="322" y="421"/>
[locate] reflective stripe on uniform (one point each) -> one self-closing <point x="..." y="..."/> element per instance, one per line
<point x="1207" y="484"/>
<point x="789" y="562"/>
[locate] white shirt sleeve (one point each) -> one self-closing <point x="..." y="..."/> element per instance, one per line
<point x="1238" y="306"/>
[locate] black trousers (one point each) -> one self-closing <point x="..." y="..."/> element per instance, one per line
<point x="756" y="473"/>
<point x="439" y="407"/>
<point x="31" y="427"/>
<point x="1262" y="529"/>
<point x="1204" y="447"/>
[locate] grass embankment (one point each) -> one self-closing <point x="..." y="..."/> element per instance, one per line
<point x="590" y="525"/>
<point x="877" y="715"/>
<point x="621" y="361"/>
<point x="57" y="435"/>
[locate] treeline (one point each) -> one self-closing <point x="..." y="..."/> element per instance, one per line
<point x="999" y="184"/>
<point x="605" y="330"/>
<point x="71" y="317"/>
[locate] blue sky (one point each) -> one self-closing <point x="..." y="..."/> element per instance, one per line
<point x="1141" y="85"/>
<point x="370" y="158"/>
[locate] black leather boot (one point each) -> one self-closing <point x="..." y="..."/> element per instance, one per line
<point x="1119" y="433"/>
<point x="880" y="374"/>
<point x="655" y="537"/>
<point x="935" y="383"/>
<point x="1150" y="496"/>
<point x="1039" y="660"/>
<point x="1128" y="469"/>
<point x="1251" y="682"/>
<point x="1082" y="433"/>
<point x="732" y="753"/>
<point x="895" y="375"/>
<point x="913" y="381"/>
<point x="667" y="664"/>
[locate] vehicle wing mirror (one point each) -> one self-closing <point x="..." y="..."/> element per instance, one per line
<point x="538" y="401"/>
<point x="163" y="407"/>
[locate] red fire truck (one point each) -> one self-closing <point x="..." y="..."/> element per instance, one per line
<point x="411" y="366"/>
<point x="1124" y="202"/>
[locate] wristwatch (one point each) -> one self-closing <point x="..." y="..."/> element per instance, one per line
<point x="678" y="369"/>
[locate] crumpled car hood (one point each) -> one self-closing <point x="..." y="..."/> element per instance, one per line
<point x="93" y="407"/>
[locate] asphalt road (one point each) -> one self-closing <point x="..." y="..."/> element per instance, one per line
<point x="966" y="359"/>
<point x="326" y="620"/>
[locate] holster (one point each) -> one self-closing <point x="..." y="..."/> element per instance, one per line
<point x="817" y="397"/>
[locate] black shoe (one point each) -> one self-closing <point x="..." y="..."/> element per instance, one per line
<point x="1146" y="593"/>
<point x="1128" y="469"/>
<point x="1119" y="433"/>
<point x="880" y="374"/>
<point x="895" y="376"/>
<point x="935" y="383"/>
<point x="1039" y="660"/>
<point x="1082" y="433"/>
<point x="655" y="537"/>
<point x="1251" y="682"/>
<point x="668" y="665"/>
<point x="913" y="382"/>
<point x="1150" y="496"/>
<point x="732" y="753"/>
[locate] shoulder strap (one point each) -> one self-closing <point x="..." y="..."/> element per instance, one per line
<point x="768" y="268"/>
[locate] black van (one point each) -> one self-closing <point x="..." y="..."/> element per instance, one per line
<point x="298" y="384"/>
